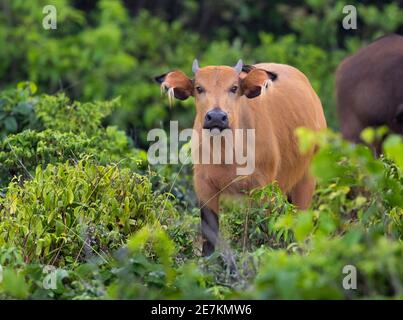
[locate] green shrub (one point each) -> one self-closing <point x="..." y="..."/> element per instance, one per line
<point x="317" y="273"/>
<point x="252" y="223"/>
<point x="147" y="270"/>
<point x="356" y="219"/>
<point x="17" y="109"/>
<point x="67" y="213"/>
<point x="21" y="153"/>
<point x="112" y="236"/>
<point x="64" y="131"/>
<point x="59" y="113"/>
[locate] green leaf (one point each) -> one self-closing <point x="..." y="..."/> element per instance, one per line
<point x="11" y="124"/>
<point x="14" y="284"/>
<point x="70" y="196"/>
<point x="393" y="147"/>
<point x="304" y="225"/>
<point x="368" y="135"/>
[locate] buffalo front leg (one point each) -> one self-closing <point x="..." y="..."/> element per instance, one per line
<point x="208" y="198"/>
<point x="210" y="229"/>
<point x="301" y="194"/>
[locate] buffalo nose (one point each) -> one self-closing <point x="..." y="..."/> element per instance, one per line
<point x="216" y="118"/>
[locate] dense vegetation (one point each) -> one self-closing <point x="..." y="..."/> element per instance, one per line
<point x="113" y="50"/>
<point x="77" y="193"/>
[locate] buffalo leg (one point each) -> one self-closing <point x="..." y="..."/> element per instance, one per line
<point x="351" y="127"/>
<point x="209" y="228"/>
<point x="302" y="193"/>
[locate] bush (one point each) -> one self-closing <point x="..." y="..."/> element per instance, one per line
<point x="65" y="131"/>
<point x="317" y="273"/>
<point x="356" y="220"/>
<point x="111" y="236"/>
<point x="69" y="213"/>
<point x="17" y="109"/>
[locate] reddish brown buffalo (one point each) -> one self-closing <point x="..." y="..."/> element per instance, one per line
<point x="369" y="88"/>
<point x="273" y="100"/>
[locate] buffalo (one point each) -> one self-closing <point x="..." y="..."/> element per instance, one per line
<point x="270" y="99"/>
<point x="369" y="89"/>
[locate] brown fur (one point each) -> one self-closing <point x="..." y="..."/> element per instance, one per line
<point x="289" y="102"/>
<point x="369" y="88"/>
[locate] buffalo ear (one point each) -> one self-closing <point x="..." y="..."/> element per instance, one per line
<point x="255" y="81"/>
<point x="178" y="82"/>
<point x="252" y="92"/>
<point x="160" y="79"/>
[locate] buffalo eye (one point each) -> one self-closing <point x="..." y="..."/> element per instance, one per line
<point x="233" y="89"/>
<point x="199" y="89"/>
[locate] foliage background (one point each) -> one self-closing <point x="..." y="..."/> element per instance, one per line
<point x="77" y="193"/>
<point x="103" y="49"/>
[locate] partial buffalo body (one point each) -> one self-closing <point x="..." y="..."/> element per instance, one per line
<point x="369" y="88"/>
